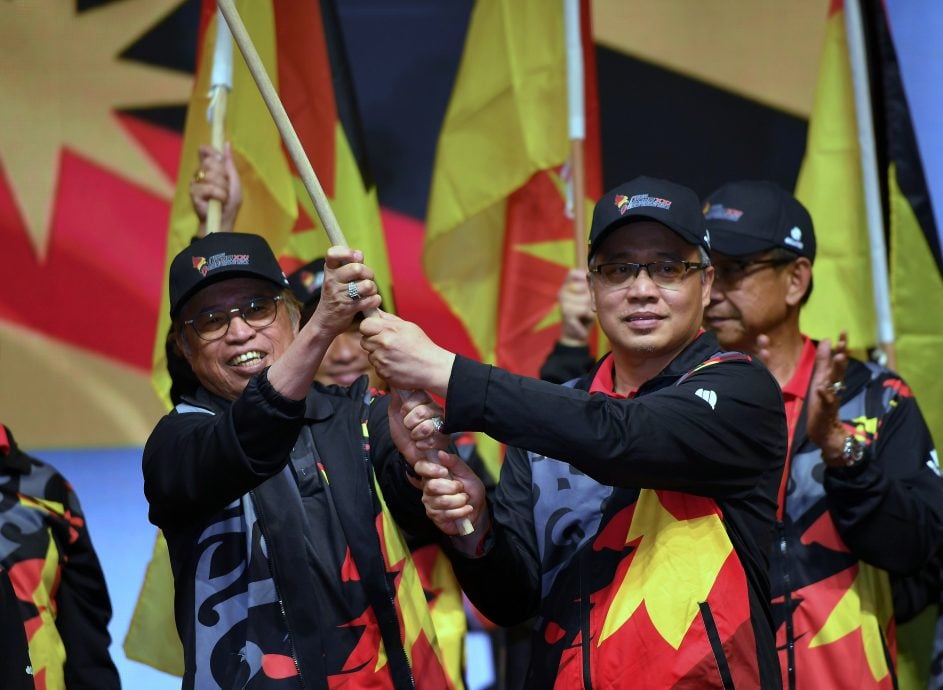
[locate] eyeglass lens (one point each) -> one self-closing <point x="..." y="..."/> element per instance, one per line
<point x="733" y="273"/>
<point x="665" y="274"/>
<point x="258" y="312"/>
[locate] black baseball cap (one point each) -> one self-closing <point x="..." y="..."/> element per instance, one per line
<point x="218" y="256"/>
<point x="306" y="282"/>
<point x="753" y="216"/>
<point x="647" y="198"/>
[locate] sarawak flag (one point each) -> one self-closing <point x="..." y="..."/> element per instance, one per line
<point x="498" y="240"/>
<point x="830" y="185"/>
<point x="301" y="46"/>
<point x="84" y="187"/>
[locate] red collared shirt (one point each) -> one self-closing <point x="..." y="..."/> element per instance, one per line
<point x="794" y="394"/>
<point x="795" y="390"/>
<point x="605" y="380"/>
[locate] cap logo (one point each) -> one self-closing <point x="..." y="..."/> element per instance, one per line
<point x="707" y="237"/>
<point x="621" y="202"/>
<point x="642" y="200"/>
<point x="721" y="212"/>
<point x="312" y="281"/>
<point x="795" y="238"/>
<point x="220" y="260"/>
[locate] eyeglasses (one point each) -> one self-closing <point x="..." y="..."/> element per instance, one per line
<point x="733" y="273"/>
<point x="258" y="312"/>
<point x="666" y="274"/>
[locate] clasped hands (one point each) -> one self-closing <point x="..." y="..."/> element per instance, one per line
<point x="451" y="492"/>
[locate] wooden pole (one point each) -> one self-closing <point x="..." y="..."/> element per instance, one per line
<point x="302" y="164"/>
<point x="578" y="176"/>
<point x="289" y="136"/>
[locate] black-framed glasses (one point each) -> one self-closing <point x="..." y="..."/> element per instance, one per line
<point x="258" y="312"/>
<point x="667" y="274"/>
<point x="731" y="273"/>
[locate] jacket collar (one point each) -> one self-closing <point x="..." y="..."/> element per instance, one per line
<point x="701" y="348"/>
<point x="319" y="403"/>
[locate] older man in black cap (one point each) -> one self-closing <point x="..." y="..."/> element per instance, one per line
<point x="287" y="565"/>
<point x="863" y="497"/>
<point x="635" y="509"/>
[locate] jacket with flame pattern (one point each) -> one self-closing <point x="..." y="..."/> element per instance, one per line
<point x="845" y="533"/>
<point x="46" y="550"/>
<point x="288" y="568"/>
<point x="635" y="530"/>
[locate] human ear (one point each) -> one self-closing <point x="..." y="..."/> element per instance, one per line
<point x="799" y="276"/>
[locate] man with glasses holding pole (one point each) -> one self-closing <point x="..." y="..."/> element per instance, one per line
<point x="863" y="498"/>
<point x="635" y="509"/>
<point x="288" y="568"/>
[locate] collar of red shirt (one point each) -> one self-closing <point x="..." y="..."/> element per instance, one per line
<point x="798" y="384"/>
<point x="4" y="441"/>
<point x="605" y="380"/>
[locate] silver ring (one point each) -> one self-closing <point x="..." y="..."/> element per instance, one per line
<point x="437" y="424"/>
<point x="352" y="291"/>
<point x="836" y="388"/>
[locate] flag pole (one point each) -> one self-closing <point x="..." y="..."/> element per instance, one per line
<point x="302" y="164"/>
<point x="857" y="58"/>
<point x="289" y="136"/>
<point x="576" y="124"/>
<point x="220" y="86"/>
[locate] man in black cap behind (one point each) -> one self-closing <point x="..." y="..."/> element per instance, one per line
<point x="635" y="509"/>
<point x="288" y="568"/>
<point x="863" y="496"/>
<point x="345" y="360"/>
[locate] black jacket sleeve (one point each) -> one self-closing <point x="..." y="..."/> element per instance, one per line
<point x="713" y="435"/>
<point x="565" y="363"/>
<point x="14" y="659"/>
<point x="84" y="609"/>
<point x="889" y="509"/>
<point x="504" y="581"/>
<point x="195" y="463"/>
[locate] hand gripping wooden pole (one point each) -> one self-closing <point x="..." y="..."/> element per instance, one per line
<point x="302" y="164"/>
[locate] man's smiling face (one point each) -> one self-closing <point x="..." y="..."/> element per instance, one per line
<point x="224" y="366"/>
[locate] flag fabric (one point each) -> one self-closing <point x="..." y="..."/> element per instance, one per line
<point x="498" y="241"/>
<point x="84" y="189"/>
<point x="830" y="184"/>
<point x="152" y="635"/>
<point x="916" y="290"/>
<point x="301" y="46"/>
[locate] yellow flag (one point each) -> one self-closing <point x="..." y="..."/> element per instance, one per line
<point x="830" y="186"/>
<point x="152" y="636"/>
<point x="506" y="121"/>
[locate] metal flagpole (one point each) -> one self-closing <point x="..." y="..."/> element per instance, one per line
<point x="220" y="86"/>
<point x="857" y="57"/>
<point x="576" y="124"/>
